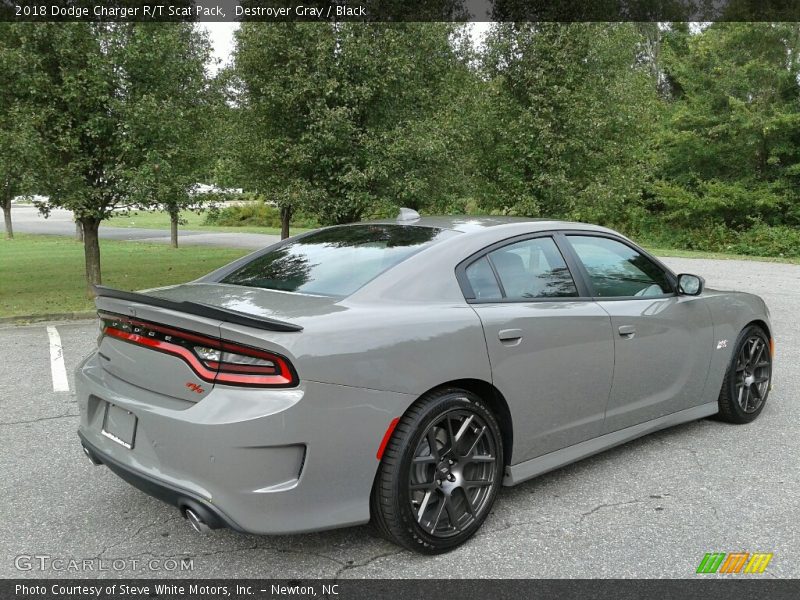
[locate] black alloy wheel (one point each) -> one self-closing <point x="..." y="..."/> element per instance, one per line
<point x="440" y="473"/>
<point x="747" y="382"/>
<point x="452" y="473"/>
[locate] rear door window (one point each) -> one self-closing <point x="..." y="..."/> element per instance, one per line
<point x="533" y="269"/>
<point x="526" y="270"/>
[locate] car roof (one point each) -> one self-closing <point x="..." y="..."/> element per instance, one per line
<point x="468" y="223"/>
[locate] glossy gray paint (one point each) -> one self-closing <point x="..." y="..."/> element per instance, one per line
<point x="662" y="367"/>
<point x="303" y="458"/>
<point x="556" y="378"/>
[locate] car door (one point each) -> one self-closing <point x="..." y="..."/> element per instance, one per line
<point x="550" y="346"/>
<point x="662" y="340"/>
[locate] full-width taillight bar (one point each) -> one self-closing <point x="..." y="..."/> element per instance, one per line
<point x="214" y="360"/>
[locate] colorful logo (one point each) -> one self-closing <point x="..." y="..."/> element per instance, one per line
<point x="735" y="562"/>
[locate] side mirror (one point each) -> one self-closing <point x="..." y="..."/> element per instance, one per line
<point x="690" y="285"/>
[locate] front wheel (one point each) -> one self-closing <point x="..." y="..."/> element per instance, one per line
<point x="747" y="381"/>
<point x="439" y="474"/>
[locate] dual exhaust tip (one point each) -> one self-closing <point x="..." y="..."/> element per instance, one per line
<point x="200" y="519"/>
<point x="196" y="523"/>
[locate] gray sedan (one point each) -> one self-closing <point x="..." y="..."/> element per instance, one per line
<point x="402" y="371"/>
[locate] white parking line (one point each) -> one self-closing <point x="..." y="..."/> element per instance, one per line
<point x="57" y="368"/>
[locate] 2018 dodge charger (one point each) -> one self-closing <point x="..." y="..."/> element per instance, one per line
<point x="401" y="371"/>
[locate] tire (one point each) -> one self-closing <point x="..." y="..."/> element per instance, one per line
<point x="747" y="381"/>
<point x="449" y="500"/>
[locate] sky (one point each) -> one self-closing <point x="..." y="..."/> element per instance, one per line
<point x="221" y="35"/>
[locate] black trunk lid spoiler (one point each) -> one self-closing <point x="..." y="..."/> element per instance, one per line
<point x="199" y="309"/>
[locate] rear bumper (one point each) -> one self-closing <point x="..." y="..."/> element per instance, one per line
<point x="165" y="492"/>
<point x="257" y="460"/>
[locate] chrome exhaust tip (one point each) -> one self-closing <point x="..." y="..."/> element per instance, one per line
<point x="90" y="456"/>
<point x="195" y="521"/>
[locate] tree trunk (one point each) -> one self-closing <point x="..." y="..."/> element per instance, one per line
<point x="78" y="231"/>
<point x="286" y="216"/>
<point x="91" y="251"/>
<point x="7" y="217"/>
<point x="173" y="229"/>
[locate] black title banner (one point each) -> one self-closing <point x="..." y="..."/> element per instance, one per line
<point x="463" y="589"/>
<point x="400" y="10"/>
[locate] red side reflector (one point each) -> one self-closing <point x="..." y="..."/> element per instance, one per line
<point x="387" y="436"/>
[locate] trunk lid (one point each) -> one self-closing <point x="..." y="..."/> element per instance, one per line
<point x="139" y="345"/>
<point x="147" y="367"/>
<point x="287" y="307"/>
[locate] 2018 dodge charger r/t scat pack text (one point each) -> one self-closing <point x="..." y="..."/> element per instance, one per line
<point x="401" y="371"/>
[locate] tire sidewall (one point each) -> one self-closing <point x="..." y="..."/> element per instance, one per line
<point x="739" y="413"/>
<point x="453" y="400"/>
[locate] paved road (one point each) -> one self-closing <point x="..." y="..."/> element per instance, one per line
<point x="650" y="508"/>
<point x="26" y="219"/>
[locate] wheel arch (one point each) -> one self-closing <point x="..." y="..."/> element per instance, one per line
<point x="494" y="400"/>
<point x="760" y="323"/>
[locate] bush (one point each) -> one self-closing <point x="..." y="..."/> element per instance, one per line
<point x="765" y="240"/>
<point x="255" y="214"/>
<point x="759" y="239"/>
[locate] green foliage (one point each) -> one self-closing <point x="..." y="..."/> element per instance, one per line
<point x="256" y="214"/>
<point x="341" y="119"/>
<point x="121" y="107"/>
<point x="757" y="240"/>
<point x="163" y="114"/>
<point x="20" y="154"/>
<point x="731" y="142"/>
<point x="569" y="116"/>
<point x="649" y="128"/>
<point x="678" y="134"/>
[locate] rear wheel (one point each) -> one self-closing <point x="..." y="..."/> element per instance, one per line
<point x="440" y="473"/>
<point x="746" y="385"/>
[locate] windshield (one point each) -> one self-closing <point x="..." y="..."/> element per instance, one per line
<point x="335" y="261"/>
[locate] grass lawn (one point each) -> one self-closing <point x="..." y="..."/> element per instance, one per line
<point x="43" y="274"/>
<point x="160" y="220"/>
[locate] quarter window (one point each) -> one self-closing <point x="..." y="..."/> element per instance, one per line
<point x="617" y="270"/>
<point x="482" y="280"/>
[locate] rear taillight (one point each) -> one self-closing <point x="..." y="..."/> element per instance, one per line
<point x="213" y="360"/>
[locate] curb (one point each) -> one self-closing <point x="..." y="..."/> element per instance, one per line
<point x="66" y="316"/>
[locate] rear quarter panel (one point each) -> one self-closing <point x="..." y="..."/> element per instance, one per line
<point x="403" y="347"/>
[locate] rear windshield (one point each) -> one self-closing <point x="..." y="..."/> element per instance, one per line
<point x="335" y="261"/>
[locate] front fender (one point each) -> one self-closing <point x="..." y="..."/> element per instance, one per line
<point x="731" y="312"/>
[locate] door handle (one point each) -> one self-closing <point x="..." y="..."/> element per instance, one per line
<point x="509" y="335"/>
<point x="627" y="331"/>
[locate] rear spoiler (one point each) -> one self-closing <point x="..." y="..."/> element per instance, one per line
<point x="199" y="309"/>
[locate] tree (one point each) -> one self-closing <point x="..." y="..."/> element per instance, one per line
<point x="100" y="95"/>
<point x="731" y="145"/>
<point x="344" y="119"/>
<point x="165" y="112"/>
<point x="386" y="131"/>
<point x="280" y="79"/>
<point x="568" y="116"/>
<point x="18" y="147"/>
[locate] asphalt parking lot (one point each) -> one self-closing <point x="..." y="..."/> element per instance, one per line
<point x="650" y="508"/>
